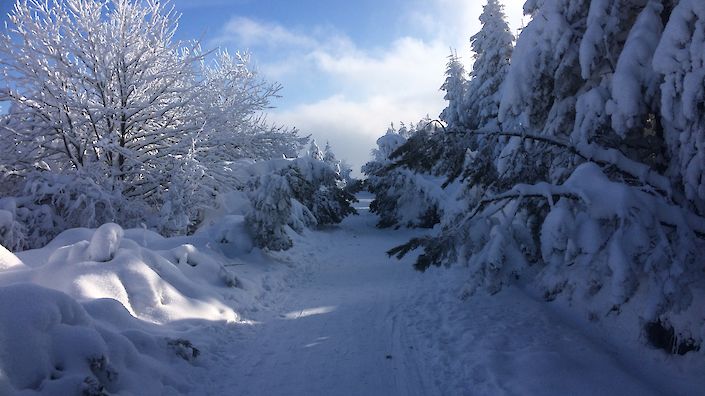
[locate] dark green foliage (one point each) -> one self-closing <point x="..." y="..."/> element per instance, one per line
<point x="435" y="251"/>
<point x="435" y="150"/>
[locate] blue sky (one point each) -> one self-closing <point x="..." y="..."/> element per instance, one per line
<point x="348" y="68"/>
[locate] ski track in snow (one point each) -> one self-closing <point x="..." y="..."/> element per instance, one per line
<point x="355" y="322"/>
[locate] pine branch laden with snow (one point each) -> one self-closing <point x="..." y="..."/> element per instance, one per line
<point x="587" y="185"/>
<point x="680" y="58"/>
<point x="590" y="240"/>
<point x="406" y="178"/>
<point x="539" y="92"/>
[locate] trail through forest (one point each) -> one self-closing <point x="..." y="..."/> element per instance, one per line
<point x="358" y="323"/>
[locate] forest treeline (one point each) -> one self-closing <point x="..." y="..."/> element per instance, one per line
<point x="571" y="161"/>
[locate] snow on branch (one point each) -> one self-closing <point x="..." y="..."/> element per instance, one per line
<point x="590" y="152"/>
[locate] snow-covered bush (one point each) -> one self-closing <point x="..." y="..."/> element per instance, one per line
<point x="271" y="213"/>
<point x="57" y="348"/>
<point x="296" y="194"/>
<point x="12" y="230"/>
<point x="87" y="313"/>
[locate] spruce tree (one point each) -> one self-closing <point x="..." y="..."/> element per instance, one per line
<point x="492" y="47"/>
<point x="454" y="86"/>
<point x="680" y="58"/>
<point x="597" y="199"/>
<point x="314" y="151"/>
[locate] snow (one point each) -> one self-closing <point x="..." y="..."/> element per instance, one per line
<point x="333" y="315"/>
<point x="105" y="242"/>
<point x="56" y="348"/>
<point x="358" y="323"/>
<point x="634" y="77"/>
<point x="572" y="222"/>
<point x="9" y="260"/>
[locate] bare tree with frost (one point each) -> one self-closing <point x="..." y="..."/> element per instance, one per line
<point x="112" y="119"/>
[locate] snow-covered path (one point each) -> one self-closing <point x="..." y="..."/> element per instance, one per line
<point x="341" y="331"/>
<point x="357" y="323"/>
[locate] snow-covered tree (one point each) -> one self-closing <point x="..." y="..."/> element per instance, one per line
<point x="455" y="87"/>
<point x="407" y="191"/>
<point x="492" y="46"/>
<point x="351" y="184"/>
<point x="314" y="151"/>
<point x="539" y="93"/>
<point x="595" y="198"/>
<point x="271" y="214"/>
<point x="234" y="98"/>
<point x="330" y="159"/>
<point x="104" y="97"/>
<point x="97" y="85"/>
<point x="681" y="60"/>
<point x="295" y="194"/>
<point x="635" y="95"/>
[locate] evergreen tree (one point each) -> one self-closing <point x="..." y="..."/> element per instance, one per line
<point x="681" y="60"/>
<point x="597" y="197"/>
<point x="493" y="46"/>
<point x="407" y="193"/>
<point x="314" y="151"/>
<point x="454" y="87"/>
<point x="295" y="194"/>
<point x="329" y="158"/>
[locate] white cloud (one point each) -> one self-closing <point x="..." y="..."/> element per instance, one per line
<point x="251" y="33"/>
<point x="361" y="90"/>
<point x="353" y="126"/>
<point x="401" y="84"/>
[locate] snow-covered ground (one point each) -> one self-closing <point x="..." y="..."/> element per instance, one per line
<point x="342" y="330"/>
<point x="359" y="323"/>
<point x="332" y="316"/>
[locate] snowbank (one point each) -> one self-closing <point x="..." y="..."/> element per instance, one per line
<point x="52" y="346"/>
<point x="110" y="310"/>
<point x="9" y="260"/>
<point x="160" y="286"/>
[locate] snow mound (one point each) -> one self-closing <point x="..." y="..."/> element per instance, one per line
<point x="105" y="242"/>
<point x="170" y="282"/>
<point x="113" y="311"/>
<point x="230" y="231"/>
<point x="9" y="260"/>
<point x="57" y="349"/>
